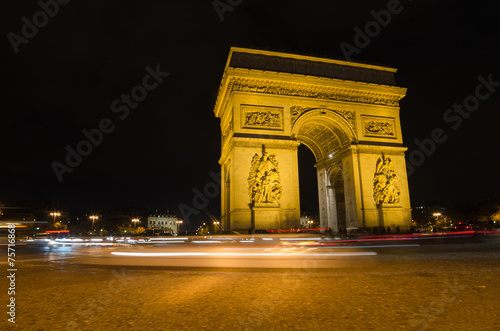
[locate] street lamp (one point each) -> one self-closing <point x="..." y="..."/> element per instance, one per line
<point x="54" y="215"/>
<point x="179" y="223"/>
<point x="310" y="223"/>
<point x="135" y="220"/>
<point x="216" y="223"/>
<point x="93" y="218"/>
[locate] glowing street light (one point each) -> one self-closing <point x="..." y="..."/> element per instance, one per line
<point x="179" y="223"/>
<point x="310" y="223"/>
<point x="93" y="218"/>
<point x="54" y="215"/>
<point x="216" y="223"/>
<point x="135" y="220"/>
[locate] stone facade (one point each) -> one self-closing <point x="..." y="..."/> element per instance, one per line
<point x="165" y="222"/>
<point x="304" y="222"/>
<point x="346" y="113"/>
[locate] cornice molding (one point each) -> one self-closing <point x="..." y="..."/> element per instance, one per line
<point x="278" y="87"/>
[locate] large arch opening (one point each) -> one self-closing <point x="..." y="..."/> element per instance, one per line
<point x="326" y="133"/>
<point x="308" y="183"/>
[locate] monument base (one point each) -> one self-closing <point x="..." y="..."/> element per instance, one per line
<point x="265" y="216"/>
<point x="394" y="216"/>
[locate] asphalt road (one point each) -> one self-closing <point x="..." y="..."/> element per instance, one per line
<point x="442" y="284"/>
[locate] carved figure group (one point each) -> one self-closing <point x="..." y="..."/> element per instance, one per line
<point x="381" y="128"/>
<point x="262" y="118"/>
<point x="332" y="94"/>
<point x="385" y="184"/>
<point x="264" y="183"/>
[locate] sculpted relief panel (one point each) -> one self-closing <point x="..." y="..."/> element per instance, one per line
<point x="296" y="111"/>
<point x="385" y="184"/>
<point x="262" y="118"/>
<point x="379" y="127"/>
<point x="227" y="132"/>
<point x="264" y="183"/>
<point x="256" y="117"/>
<point x="348" y="115"/>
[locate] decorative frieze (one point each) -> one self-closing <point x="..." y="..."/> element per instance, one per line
<point x="311" y="91"/>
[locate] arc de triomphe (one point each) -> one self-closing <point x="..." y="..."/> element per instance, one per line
<point x="346" y="113"/>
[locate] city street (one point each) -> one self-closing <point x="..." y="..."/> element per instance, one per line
<point x="281" y="284"/>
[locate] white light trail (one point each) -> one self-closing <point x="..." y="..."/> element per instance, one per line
<point x="166" y="242"/>
<point x="79" y="244"/>
<point x="241" y="254"/>
<point x="206" y="242"/>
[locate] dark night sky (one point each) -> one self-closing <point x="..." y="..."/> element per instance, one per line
<point x="66" y="77"/>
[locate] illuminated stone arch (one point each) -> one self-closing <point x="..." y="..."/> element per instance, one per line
<point x="324" y="131"/>
<point x="327" y="133"/>
<point x="346" y="113"/>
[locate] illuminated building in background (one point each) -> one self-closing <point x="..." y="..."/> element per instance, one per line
<point x="304" y="221"/>
<point x="164" y="222"/>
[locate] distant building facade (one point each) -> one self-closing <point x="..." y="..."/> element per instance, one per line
<point x="304" y="221"/>
<point x="165" y="222"/>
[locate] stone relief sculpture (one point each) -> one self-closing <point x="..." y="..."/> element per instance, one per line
<point x="226" y="133"/>
<point x="348" y="115"/>
<point x="295" y="111"/>
<point x="245" y="85"/>
<point x="263" y="118"/>
<point x="264" y="183"/>
<point x="379" y="128"/>
<point x="385" y="184"/>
